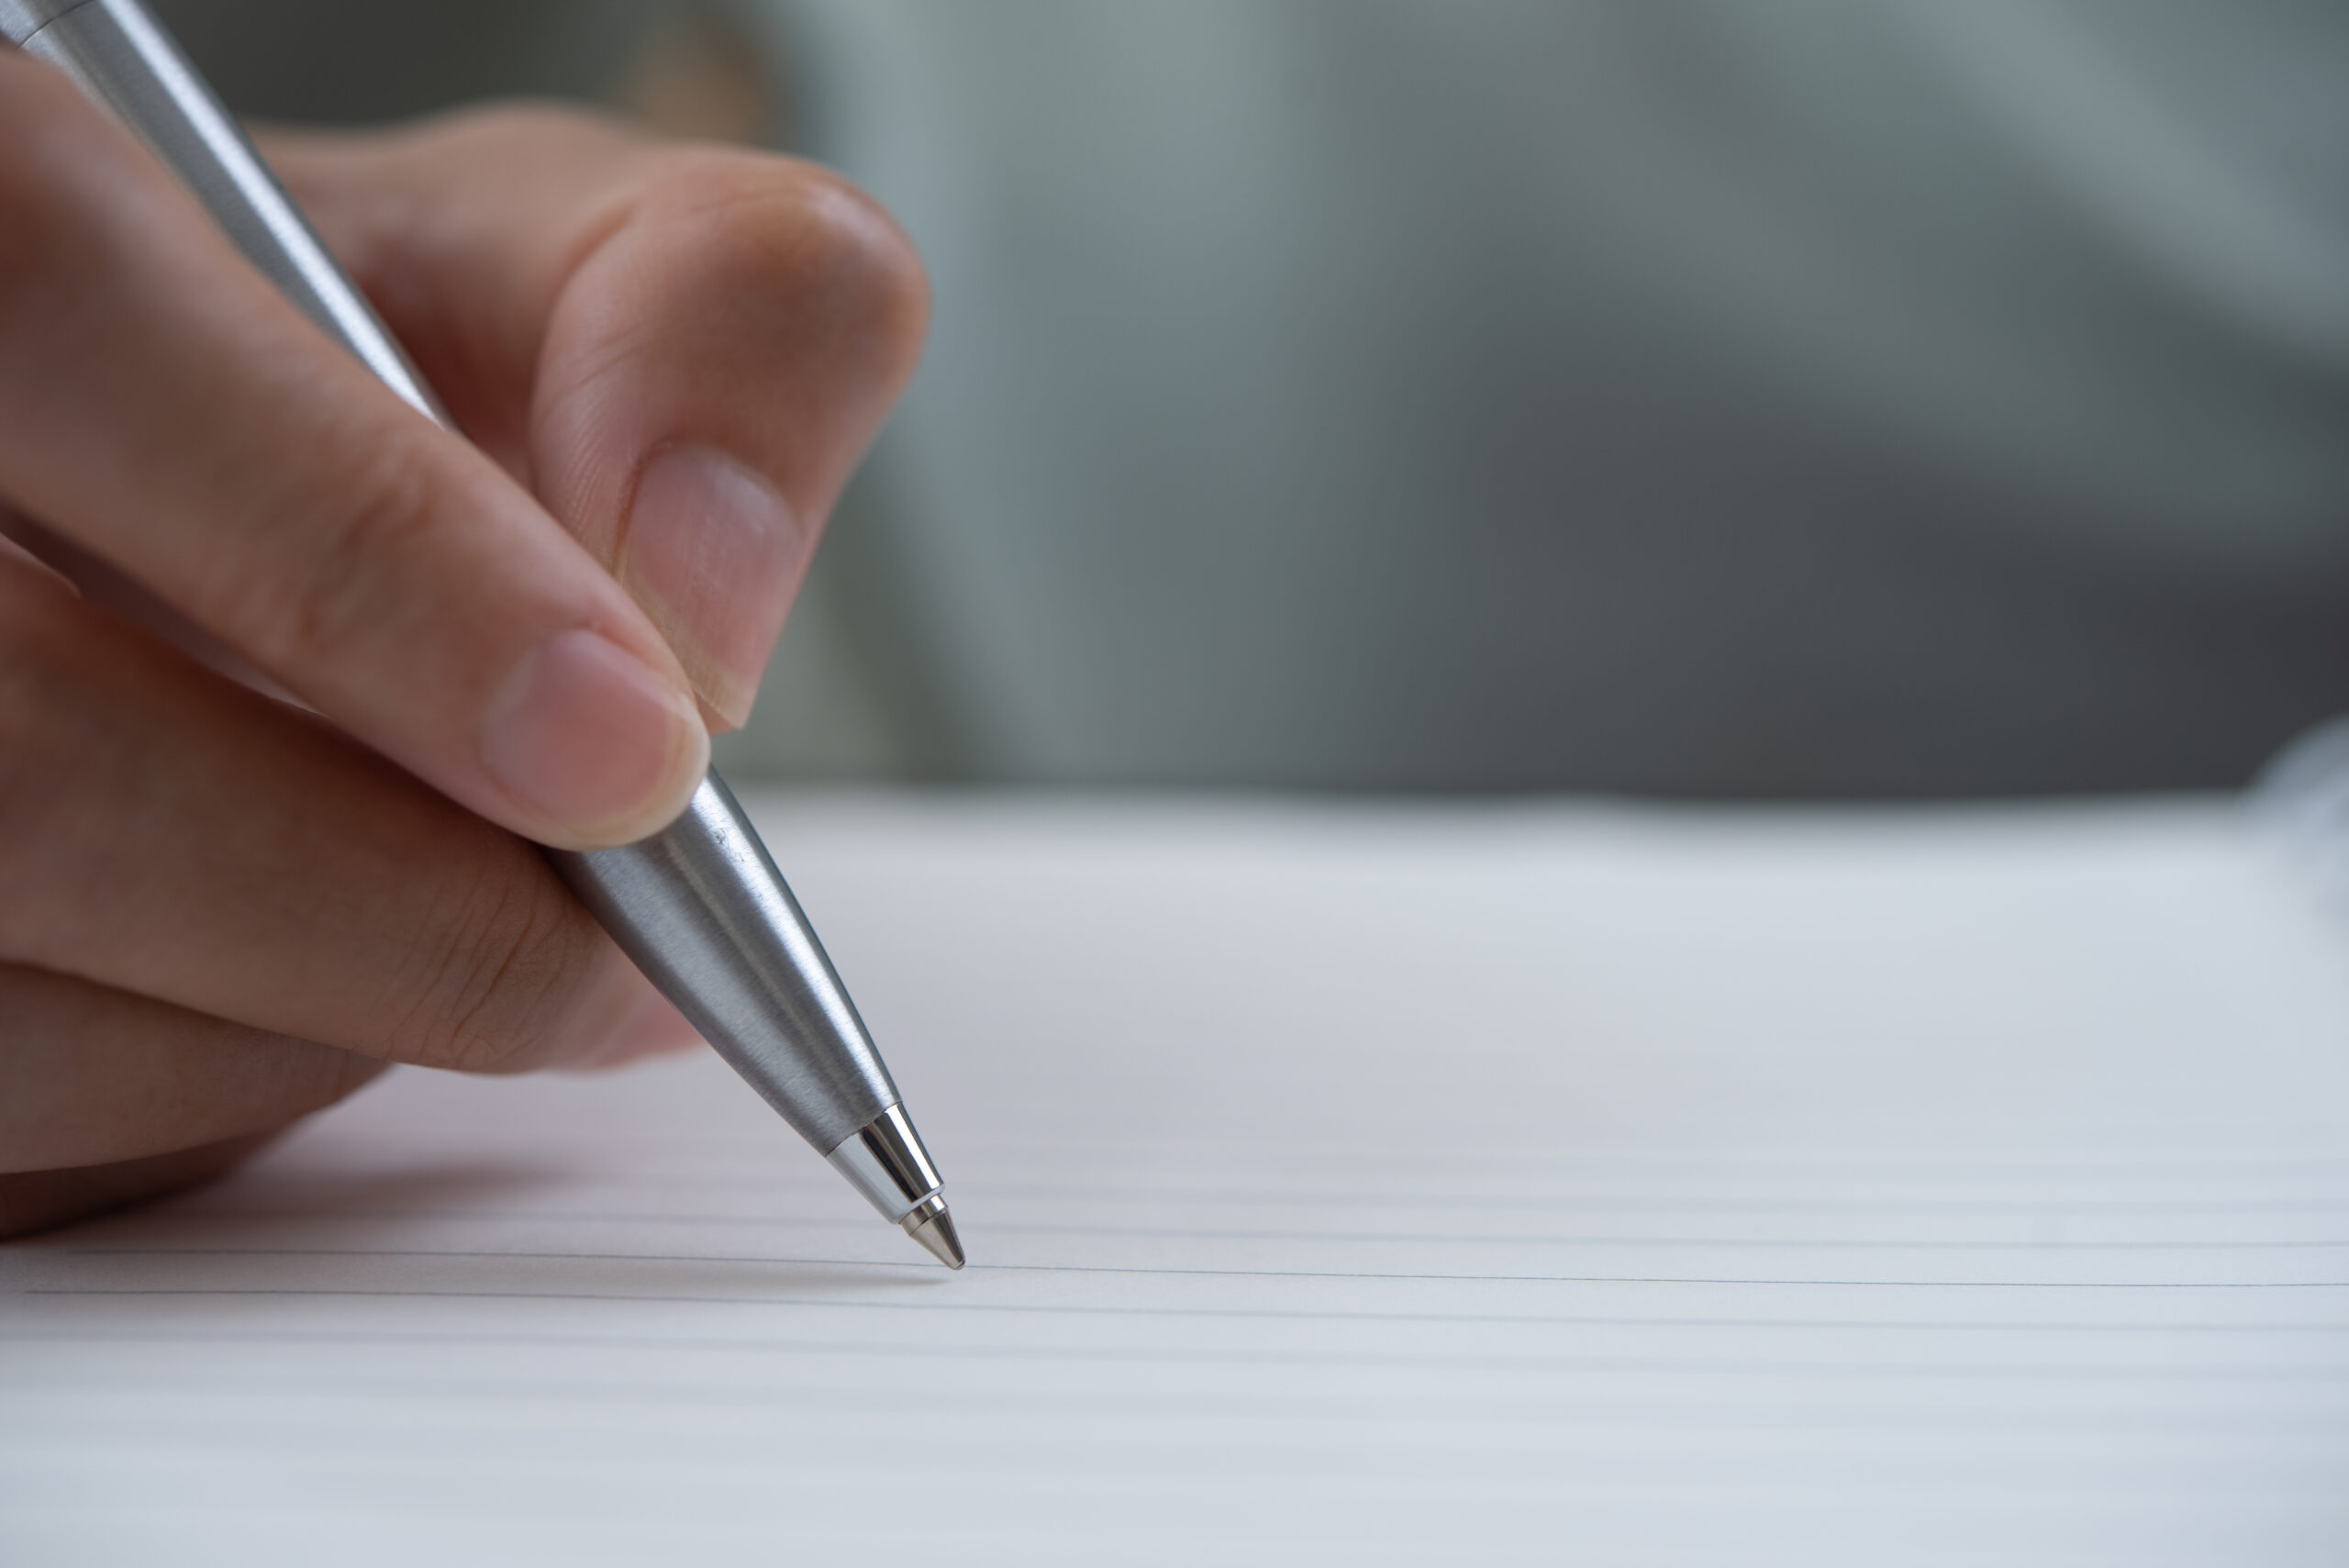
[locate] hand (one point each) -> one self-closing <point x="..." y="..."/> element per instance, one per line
<point x="218" y="910"/>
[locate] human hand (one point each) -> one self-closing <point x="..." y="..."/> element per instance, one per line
<point x="219" y="912"/>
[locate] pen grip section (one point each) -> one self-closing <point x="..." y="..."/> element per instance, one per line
<point x="701" y="910"/>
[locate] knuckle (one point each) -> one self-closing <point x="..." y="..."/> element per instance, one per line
<point x="825" y="255"/>
<point x="363" y="569"/>
<point x="496" y="976"/>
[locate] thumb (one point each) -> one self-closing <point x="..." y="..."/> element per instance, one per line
<point x="686" y="348"/>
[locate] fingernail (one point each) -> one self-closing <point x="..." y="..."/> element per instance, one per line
<point x="588" y="736"/>
<point x="714" y="555"/>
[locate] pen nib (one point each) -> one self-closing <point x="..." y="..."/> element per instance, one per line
<point x="934" y="1228"/>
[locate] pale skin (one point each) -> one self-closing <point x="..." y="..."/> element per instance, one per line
<point x="221" y="910"/>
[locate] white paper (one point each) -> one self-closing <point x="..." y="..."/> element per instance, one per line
<point x="1367" y="1186"/>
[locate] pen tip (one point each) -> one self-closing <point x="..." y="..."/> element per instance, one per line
<point x="935" y="1231"/>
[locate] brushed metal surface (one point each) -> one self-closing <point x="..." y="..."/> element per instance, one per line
<point x="703" y="911"/>
<point x="19" y="19"/>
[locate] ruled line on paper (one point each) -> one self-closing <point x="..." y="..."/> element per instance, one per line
<point x="1612" y="1410"/>
<point x="1092" y="1193"/>
<point x="1200" y="1356"/>
<point x="1203" y="1314"/>
<point x="1788" y="1243"/>
<point x="1760" y="1282"/>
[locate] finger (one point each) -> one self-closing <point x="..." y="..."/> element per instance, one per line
<point x="92" y="1076"/>
<point x="42" y="1200"/>
<point x="167" y="832"/>
<point x="162" y="407"/>
<point x="686" y="347"/>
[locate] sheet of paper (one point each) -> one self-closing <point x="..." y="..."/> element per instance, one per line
<point x="1367" y="1186"/>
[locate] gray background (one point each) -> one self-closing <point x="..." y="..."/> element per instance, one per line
<point x="1875" y="399"/>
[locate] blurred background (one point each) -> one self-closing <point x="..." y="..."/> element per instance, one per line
<point x="1834" y="398"/>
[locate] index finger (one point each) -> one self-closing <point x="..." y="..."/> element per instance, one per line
<point x="683" y="348"/>
<point x="162" y="407"/>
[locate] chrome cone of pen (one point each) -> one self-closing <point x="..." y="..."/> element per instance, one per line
<point x="931" y="1225"/>
<point x="885" y="1161"/>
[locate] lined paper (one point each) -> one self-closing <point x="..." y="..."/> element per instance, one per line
<point x="1373" y="1186"/>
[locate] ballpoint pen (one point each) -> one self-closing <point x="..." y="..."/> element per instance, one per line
<point x="699" y="906"/>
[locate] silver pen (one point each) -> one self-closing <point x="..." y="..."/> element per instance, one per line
<point x="698" y="905"/>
